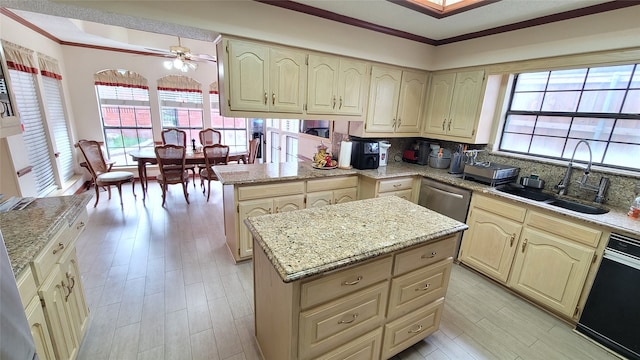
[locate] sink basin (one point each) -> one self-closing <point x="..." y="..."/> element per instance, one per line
<point x="578" y="207"/>
<point x="526" y="193"/>
<point x="551" y="199"/>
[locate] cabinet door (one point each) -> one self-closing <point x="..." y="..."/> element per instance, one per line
<point x="411" y="103"/>
<point x="55" y="292"/>
<point x="345" y="195"/>
<point x="352" y="82"/>
<point x="323" y="82"/>
<point x="383" y="99"/>
<point x="465" y="103"/>
<point x="288" y="203"/>
<point x="490" y="243"/>
<point x="246" y="209"/>
<point x="39" y="330"/>
<point x="439" y="103"/>
<point x="320" y="198"/>
<point x="551" y="270"/>
<point x="248" y="76"/>
<point x="287" y="80"/>
<point x="76" y="301"/>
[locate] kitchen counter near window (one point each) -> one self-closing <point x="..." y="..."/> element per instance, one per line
<point x="308" y="242"/>
<point x="26" y="232"/>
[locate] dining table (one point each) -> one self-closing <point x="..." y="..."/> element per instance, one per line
<point x="147" y="156"/>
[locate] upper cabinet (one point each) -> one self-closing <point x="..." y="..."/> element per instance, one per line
<point x="454" y="107"/>
<point x="9" y="120"/>
<point x="336" y="85"/>
<point x="262" y="78"/>
<point x="396" y="103"/>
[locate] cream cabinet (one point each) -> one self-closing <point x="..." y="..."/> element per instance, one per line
<point x="547" y="259"/>
<point x="264" y="78"/>
<point x="336" y="85"/>
<point x="331" y="191"/>
<point x="453" y="106"/>
<point x="396" y="102"/>
<point x="35" y="315"/>
<point x="371" y="310"/>
<point x="260" y="200"/>
<point x="53" y="296"/>
<point x="406" y="187"/>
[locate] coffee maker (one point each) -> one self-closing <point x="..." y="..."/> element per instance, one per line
<point x="365" y="154"/>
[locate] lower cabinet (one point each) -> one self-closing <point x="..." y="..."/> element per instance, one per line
<point x="406" y="187"/>
<point x="367" y="311"/>
<point x="242" y="201"/>
<point x="52" y="293"/>
<point x="547" y="259"/>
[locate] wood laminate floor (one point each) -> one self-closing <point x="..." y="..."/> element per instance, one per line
<point x="161" y="284"/>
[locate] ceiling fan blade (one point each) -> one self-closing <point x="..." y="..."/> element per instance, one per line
<point x="202" y="57"/>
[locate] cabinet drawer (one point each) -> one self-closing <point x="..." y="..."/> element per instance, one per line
<point x="78" y="226"/>
<point x="343" y="282"/>
<point x="502" y="208"/>
<point x="50" y="255"/>
<point x="26" y="286"/>
<point x="424" y="255"/>
<point x="395" y="184"/>
<point x="327" y="326"/>
<point x="403" y="194"/>
<point x="418" y="288"/>
<point x="409" y="329"/>
<point x="332" y="183"/>
<point x="270" y="190"/>
<point x="365" y="347"/>
<point x="564" y="229"/>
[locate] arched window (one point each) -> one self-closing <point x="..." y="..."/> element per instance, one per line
<point x="126" y="114"/>
<point x="181" y="104"/>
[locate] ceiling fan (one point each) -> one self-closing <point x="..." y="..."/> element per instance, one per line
<point x="183" y="59"/>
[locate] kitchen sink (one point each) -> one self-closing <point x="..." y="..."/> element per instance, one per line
<point x="524" y="192"/>
<point x="578" y="207"/>
<point x="551" y="199"/>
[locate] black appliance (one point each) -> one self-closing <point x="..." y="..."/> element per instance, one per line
<point x="424" y="149"/>
<point x="611" y="314"/>
<point x="365" y="154"/>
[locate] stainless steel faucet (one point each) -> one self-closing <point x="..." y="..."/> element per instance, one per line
<point x="600" y="190"/>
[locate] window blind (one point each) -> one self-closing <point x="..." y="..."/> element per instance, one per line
<point x="58" y="125"/>
<point x="34" y="135"/>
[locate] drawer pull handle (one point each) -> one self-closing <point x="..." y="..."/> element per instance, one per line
<point x="65" y="293"/>
<point x="513" y="238"/>
<point x="524" y="244"/>
<point x="433" y="254"/>
<point x="349" y="283"/>
<point x="416" y="331"/>
<point x="72" y="281"/>
<point x="353" y="318"/>
<point x="80" y="225"/>
<point x="426" y="287"/>
<point x="59" y="248"/>
<point x="397" y="185"/>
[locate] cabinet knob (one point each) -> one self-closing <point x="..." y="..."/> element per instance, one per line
<point x="59" y="248"/>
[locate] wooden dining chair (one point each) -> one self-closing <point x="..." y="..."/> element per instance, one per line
<point x="100" y="170"/>
<point x="215" y="154"/>
<point x="253" y="151"/>
<point x="173" y="136"/>
<point x="210" y="136"/>
<point x="171" y="161"/>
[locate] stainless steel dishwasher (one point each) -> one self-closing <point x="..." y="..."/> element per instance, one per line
<point x="445" y="199"/>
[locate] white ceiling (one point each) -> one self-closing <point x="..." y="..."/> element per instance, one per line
<point x="379" y="12"/>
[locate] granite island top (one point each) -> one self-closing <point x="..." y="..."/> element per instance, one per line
<point x="27" y="231"/>
<point x="240" y="174"/>
<point x="308" y="242"/>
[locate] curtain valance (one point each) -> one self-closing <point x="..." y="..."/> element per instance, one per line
<point x="49" y="66"/>
<point x="19" y="58"/>
<point x="213" y="88"/>
<point x="179" y="83"/>
<point x="122" y="78"/>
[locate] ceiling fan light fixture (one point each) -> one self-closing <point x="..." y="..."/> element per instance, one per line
<point x="178" y="63"/>
<point x="168" y="64"/>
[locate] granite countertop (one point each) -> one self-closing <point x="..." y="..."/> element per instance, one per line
<point x="308" y="242"/>
<point x="27" y="231"/>
<point x="616" y="219"/>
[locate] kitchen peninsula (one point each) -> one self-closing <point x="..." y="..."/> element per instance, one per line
<point x="324" y="276"/>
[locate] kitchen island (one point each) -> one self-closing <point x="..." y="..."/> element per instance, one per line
<point x="329" y="282"/>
